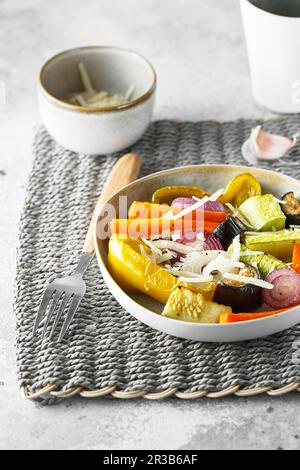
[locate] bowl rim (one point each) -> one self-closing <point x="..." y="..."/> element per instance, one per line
<point x="102" y="265"/>
<point x="88" y="110"/>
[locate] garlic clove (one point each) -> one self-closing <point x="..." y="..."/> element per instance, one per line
<point x="248" y="154"/>
<point x="271" y="146"/>
<point x="265" y="146"/>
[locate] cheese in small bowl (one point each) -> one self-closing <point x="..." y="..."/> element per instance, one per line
<point x="97" y="100"/>
<point x="92" y="98"/>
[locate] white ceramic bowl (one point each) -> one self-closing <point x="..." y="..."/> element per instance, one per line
<point x="97" y="130"/>
<point x="211" y="177"/>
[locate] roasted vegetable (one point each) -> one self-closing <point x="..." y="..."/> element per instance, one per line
<point x="240" y="188"/>
<point x="291" y="209"/>
<point x="296" y="258"/>
<point x="167" y="194"/>
<point x="228" y="230"/>
<point x="263" y="213"/>
<point x="183" y="202"/>
<point x="286" y="291"/>
<point x="134" y="272"/>
<point x="212" y="206"/>
<point x="211" y="242"/>
<point x="186" y="305"/>
<point x="264" y="263"/>
<point x="241" y="297"/>
<point x="277" y="244"/>
<point x="150" y="228"/>
<point x="201" y="240"/>
<point x="206" y="289"/>
<point x="238" y="317"/>
<point x="148" y="210"/>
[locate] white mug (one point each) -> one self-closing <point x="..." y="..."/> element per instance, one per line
<point x="272" y="29"/>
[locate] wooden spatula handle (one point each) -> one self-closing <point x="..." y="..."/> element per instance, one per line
<point x="125" y="171"/>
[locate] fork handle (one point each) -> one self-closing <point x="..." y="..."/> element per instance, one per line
<point x="125" y="171"/>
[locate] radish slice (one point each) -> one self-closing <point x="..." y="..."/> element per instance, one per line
<point x="286" y="292"/>
<point x="265" y="146"/>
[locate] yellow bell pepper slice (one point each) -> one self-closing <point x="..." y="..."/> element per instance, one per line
<point x="133" y="272"/>
<point x="241" y="188"/>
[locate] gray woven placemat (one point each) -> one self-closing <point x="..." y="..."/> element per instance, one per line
<point x="107" y="349"/>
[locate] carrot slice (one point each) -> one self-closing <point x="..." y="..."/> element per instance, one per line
<point x="238" y="317"/>
<point x="147" y="228"/>
<point x="148" y="210"/>
<point x="296" y="258"/>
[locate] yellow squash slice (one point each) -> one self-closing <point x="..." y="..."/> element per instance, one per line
<point x="183" y="304"/>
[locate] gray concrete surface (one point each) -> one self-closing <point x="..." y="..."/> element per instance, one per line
<point x="198" y="49"/>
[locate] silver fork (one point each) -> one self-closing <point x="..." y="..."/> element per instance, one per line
<point x="71" y="289"/>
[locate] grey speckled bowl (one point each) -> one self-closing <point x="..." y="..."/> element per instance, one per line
<point x="212" y="178"/>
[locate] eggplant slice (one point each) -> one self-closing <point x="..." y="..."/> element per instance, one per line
<point x="228" y="230"/>
<point x="291" y="209"/>
<point x="240" y="297"/>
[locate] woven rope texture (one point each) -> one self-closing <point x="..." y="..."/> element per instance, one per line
<point x="107" y="351"/>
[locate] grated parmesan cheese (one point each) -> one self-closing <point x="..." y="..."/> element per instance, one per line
<point x="152" y="246"/>
<point x="249" y="280"/>
<point x="92" y="98"/>
<point x="196" y="280"/>
<point x="174" y="246"/>
<point x="236" y="244"/>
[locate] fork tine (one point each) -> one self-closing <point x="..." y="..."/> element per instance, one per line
<point x="70" y="315"/>
<point x="61" y="309"/>
<point x="53" y="306"/>
<point x="42" y="308"/>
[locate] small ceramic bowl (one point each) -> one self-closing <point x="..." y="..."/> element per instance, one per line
<point x="97" y="130"/>
<point x="149" y="311"/>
